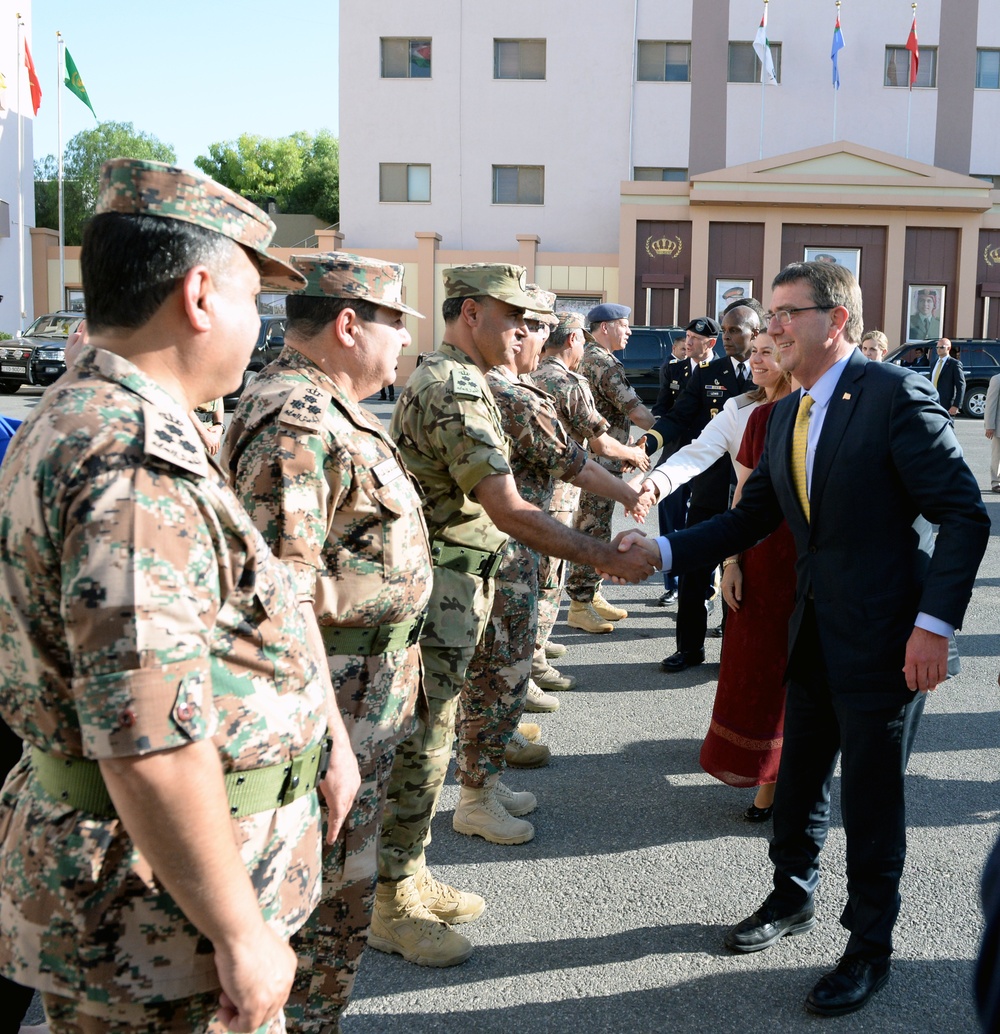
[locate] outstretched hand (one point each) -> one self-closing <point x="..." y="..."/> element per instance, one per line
<point x="634" y="554"/>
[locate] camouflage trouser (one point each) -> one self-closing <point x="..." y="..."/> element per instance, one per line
<point x="197" y="1013"/>
<point x="551" y="579"/>
<point x="592" y="518"/>
<point x="492" y="699"/>
<point x="330" y="944"/>
<point x="421" y="763"/>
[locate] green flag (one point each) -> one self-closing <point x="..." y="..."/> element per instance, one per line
<point x="75" y="83"/>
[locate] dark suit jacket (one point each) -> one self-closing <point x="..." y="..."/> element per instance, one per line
<point x="951" y="383"/>
<point x="706" y="392"/>
<point x="886" y="453"/>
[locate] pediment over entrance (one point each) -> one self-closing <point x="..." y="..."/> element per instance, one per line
<point x="842" y="174"/>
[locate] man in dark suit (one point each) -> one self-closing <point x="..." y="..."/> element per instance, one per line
<point x="948" y="378"/>
<point x="674" y="373"/>
<point x="869" y="635"/>
<point x="704" y="395"/>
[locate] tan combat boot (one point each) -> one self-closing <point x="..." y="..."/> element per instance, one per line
<point x="553" y="679"/>
<point x="584" y="617"/>
<point x="608" y="611"/>
<point x="447" y="903"/>
<point x="480" y="813"/>
<point x="515" y="802"/>
<point x="531" y="731"/>
<point x="537" y="701"/>
<point x="521" y="752"/>
<point x="554" y="650"/>
<point x="402" y="924"/>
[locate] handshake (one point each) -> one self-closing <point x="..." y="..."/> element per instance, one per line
<point x="644" y="550"/>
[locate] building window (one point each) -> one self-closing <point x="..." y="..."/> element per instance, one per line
<point x="993" y="181"/>
<point x="897" y="67"/>
<point x="661" y="62"/>
<point x="406" y="58"/>
<point x="518" y="184"/>
<point x="988" y="69"/>
<point x="651" y="172"/>
<point x="397" y="182"/>
<point x="744" y="65"/>
<point x="519" y="59"/>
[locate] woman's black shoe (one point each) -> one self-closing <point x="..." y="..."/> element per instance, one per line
<point x="755" y="814"/>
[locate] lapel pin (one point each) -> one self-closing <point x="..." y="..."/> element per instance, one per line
<point x="846" y="396"/>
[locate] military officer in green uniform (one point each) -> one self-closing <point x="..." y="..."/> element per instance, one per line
<point x="451" y="437"/>
<point x="325" y="485"/>
<point x="161" y="837"/>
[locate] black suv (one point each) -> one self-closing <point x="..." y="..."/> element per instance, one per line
<point x="39" y="355"/>
<point x="980" y="359"/>
<point x="645" y="352"/>
<point x="270" y="342"/>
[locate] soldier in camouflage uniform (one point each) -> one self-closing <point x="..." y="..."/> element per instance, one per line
<point x="618" y="403"/>
<point x="451" y="437"/>
<point x="493" y="697"/>
<point x="161" y="839"/>
<point x="326" y="487"/>
<point x="574" y="401"/>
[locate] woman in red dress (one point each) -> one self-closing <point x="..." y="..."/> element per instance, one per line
<point x="743" y="744"/>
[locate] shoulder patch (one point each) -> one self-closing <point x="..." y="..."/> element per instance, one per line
<point x="173" y="440"/>
<point x="464" y="384"/>
<point x="305" y="407"/>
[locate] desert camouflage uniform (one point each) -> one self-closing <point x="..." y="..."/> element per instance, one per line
<point x="574" y="402"/>
<point x="325" y="485"/>
<point x="615" y="399"/>
<point x="492" y="699"/>
<point x="140" y="610"/>
<point x="450" y="434"/>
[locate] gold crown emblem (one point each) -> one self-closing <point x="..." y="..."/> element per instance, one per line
<point x="664" y="247"/>
<point x="992" y="254"/>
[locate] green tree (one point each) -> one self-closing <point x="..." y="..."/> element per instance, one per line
<point x="300" y="173"/>
<point x="82" y="161"/>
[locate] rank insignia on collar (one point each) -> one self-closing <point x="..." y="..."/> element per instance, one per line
<point x="846" y="396"/>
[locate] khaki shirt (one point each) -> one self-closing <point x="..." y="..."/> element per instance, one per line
<point x="326" y="486"/>
<point x="614" y="396"/>
<point x="141" y="611"/>
<point x="450" y="435"/>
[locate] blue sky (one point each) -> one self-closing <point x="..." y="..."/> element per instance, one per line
<point x="191" y="72"/>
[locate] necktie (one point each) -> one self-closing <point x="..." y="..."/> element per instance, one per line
<point x="937" y="371"/>
<point x="741" y="377"/>
<point x="800" y="438"/>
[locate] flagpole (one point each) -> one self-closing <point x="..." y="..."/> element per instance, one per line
<point x="20" y="167"/>
<point x="60" y="47"/>
<point x="763" y="88"/>
<point x="836" y="90"/>
<point x="909" y="92"/>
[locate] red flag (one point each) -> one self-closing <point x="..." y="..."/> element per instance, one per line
<point x="36" y="89"/>
<point x="911" y="46"/>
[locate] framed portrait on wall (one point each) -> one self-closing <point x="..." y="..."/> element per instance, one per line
<point x="728" y="291"/>
<point x="925" y="312"/>
<point x="849" y="257"/>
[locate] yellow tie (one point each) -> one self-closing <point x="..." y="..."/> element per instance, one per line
<point x="937" y="371"/>
<point x="800" y="439"/>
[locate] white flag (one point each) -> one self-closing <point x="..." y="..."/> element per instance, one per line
<point x="763" y="51"/>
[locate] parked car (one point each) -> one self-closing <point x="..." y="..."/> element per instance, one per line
<point x="646" y="351"/>
<point x="270" y="342"/>
<point x="38" y="356"/>
<point x="980" y="359"/>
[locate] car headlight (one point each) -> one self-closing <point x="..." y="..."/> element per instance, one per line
<point x="51" y="354"/>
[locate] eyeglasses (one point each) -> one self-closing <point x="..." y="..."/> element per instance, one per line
<point x="534" y="326"/>
<point x="784" y="316"/>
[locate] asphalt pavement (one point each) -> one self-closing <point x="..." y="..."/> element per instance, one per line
<point x="612" y="918"/>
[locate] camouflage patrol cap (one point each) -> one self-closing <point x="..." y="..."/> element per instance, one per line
<point x="491" y="279"/>
<point x="573" y="321"/>
<point x="339" y="274"/>
<point x="544" y="300"/>
<point x="132" y="186"/>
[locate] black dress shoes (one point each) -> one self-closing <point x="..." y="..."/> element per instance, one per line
<point x="755" y="814"/>
<point x="682" y="659"/>
<point x="766" y="926"/>
<point x="849" y="986"/>
<point x="670" y="596"/>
